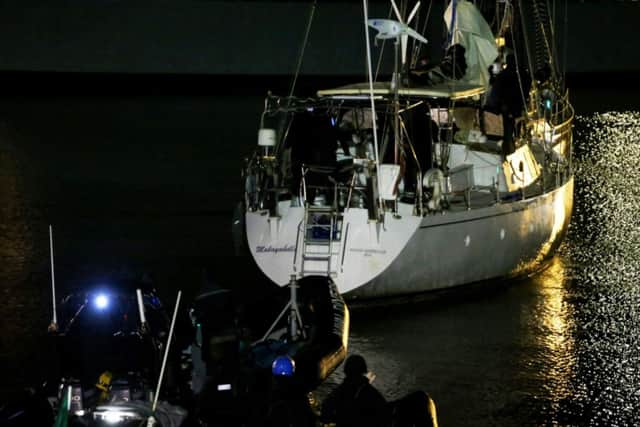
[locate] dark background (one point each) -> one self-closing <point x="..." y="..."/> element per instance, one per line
<point x="258" y="37"/>
<point x="124" y="125"/>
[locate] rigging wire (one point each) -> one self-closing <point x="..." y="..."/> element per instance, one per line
<point x="403" y="127"/>
<point x="509" y="9"/>
<point x="526" y="42"/>
<point x="303" y="47"/>
<point x="495" y="17"/>
<point x="506" y="21"/>
<point x="416" y="51"/>
<point x="565" y="43"/>
<point x="384" y="41"/>
<point x="553" y="23"/>
<point x="414" y="44"/>
<point x="543" y="31"/>
<point x="554" y="47"/>
<point x="284" y="131"/>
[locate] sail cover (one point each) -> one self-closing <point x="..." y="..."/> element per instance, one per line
<point x="472" y="31"/>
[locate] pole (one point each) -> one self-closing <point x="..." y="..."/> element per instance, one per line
<point x="373" y="104"/>
<point x="166" y="353"/>
<point x="293" y="313"/>
<point x="143" y="318"/>
<point x="396" y="102"/>
<point x="54" y="320"/>
<point x="452" y="28"/>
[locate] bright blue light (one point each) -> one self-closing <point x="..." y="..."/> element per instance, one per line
<point x="101" y="301"/>
<point x="283" y="366"/>
<point x="547" y="104"/>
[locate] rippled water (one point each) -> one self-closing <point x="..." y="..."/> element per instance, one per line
<point x="604" y="253"/>
<point x="503" y="354"/>
<point x="560" y="348"/>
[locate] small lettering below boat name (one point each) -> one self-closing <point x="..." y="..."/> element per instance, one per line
<point x="369" y="252"/>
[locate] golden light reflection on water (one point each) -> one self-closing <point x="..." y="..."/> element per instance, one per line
<point x="555" y="331"/>
<point x="555" y="310"/>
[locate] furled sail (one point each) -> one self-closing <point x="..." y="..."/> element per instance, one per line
<point x="472" y="31"/>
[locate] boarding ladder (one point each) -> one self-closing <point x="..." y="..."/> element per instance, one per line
<point x="320" y="233"/>
<point x="321" y="241"/>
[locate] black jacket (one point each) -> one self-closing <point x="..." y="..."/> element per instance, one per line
<point x="356" y="403"/>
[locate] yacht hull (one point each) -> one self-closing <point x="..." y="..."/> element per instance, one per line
<point x="409" y="254"/>
<point x="501" y="241"/>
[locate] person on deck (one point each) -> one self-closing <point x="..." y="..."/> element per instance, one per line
<point x="506" y="98"/>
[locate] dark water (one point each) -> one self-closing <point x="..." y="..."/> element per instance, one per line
<point x="148" y="184"/>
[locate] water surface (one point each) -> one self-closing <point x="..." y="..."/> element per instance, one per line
<point x="134" y="184"/>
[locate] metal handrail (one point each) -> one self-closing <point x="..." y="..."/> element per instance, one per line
<point x="295" y="253"/>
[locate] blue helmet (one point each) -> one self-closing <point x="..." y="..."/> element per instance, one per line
<point x="283" y="366"/>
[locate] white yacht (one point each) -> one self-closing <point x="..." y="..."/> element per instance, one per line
<point x="438" y="177"/>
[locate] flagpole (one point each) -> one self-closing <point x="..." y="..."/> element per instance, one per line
<point x="166" y="352"/>
<point x="54" y="320"/>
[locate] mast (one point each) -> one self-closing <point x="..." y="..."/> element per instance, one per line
<point x="395" y="82"/>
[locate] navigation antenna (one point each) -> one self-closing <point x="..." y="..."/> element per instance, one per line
<point x="399" y="30"/>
